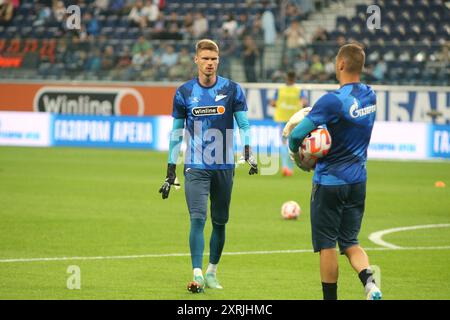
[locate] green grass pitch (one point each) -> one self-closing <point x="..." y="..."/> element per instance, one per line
<point x="69" y="202"/>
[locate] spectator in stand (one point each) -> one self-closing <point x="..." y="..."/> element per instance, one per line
<point x="183" y="70"/>
<point x="244" y="26"/>
<point x="141" y="45"/>
<point x="91" y="24"/>
<point x="316" y="71"/>
<point x="257" y="34"/>
<point x="93" y="62"/>
<point x="168" y="59"/>
<point x="150" y="12"/>
<point x="43" y="15"/>
<point x="200" y="26"/>
<point x="150" y="65"/>
<point x="160" y="24"/>
<point x="59" y="11"/>
<point x="100" y="6"/>
<point x="250" y="55"/>
<point x="301" y="65"/>
<point x="117" y="6"/>
<point x="6" y="12"/>
<point x="329" y="69"/>
<point x="123" y="63"/>
<point x="136" y="67"/>
<point x="188" y="24"/>
<point x="320" y="35"/>
<point x="295" y="40"/>
<point x="227" y="45"/>
<point x="230" y="24"/>
<point x="136" y="15"/>
<point x="268" y="25"/>
<point x="379" y="70"/>
<point x="108" y="59"/>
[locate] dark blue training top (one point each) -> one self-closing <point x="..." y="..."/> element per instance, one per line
<point x="349" y="114"/>
<point x="209" y="121"/>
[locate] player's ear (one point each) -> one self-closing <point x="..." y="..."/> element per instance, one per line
<point x="195" y="59"/>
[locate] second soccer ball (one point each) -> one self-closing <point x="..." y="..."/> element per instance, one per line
<point x="290" y="210"/>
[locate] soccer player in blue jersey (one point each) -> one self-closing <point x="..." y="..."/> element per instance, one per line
<point x="207" y="106"/>
<point x="339" y="182"/>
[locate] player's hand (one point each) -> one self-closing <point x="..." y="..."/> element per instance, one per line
<point x="295" y="120"/>
<point x="171" y="180"/>
<point x="298" y="159"/>
<point x="248" y="157"/>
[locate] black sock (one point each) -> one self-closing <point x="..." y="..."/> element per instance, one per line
<point x="366" y="276"/>
<point x="329" y="291"/>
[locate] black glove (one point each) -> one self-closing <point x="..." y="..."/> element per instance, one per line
<point x="248" y="156"/>
<point x="170" y="180"/>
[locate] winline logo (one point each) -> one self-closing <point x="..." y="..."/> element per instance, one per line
<point x="89" y="101"/>
<point x="208" y="111"/>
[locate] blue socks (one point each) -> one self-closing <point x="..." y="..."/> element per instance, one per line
<point x="216" y="243"/>
<point x="197" y="242"/>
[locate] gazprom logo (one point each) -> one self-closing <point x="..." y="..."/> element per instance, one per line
<point x="355" y="112"/>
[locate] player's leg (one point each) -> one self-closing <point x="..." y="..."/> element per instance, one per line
<point x="197" y="184"/>
<point x="326" y="210"/>
<point x="221" y="188"/>
<point x="348" y="239"/>
<point x="287" y="166"/>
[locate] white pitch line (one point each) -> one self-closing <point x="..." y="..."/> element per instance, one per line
<point x="142" y="256"/>
<point x="376" y="237"/>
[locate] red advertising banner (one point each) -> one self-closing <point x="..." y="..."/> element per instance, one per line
<point x="87" y="99"/>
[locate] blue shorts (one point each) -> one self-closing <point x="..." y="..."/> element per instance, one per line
<point x="336" y="215"/>
<point x="217" y="184"/>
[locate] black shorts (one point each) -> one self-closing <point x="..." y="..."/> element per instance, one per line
<point x="217" y="184"/>
<point x="336" y="215"/>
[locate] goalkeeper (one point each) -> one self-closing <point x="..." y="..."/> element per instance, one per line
<point x="339" y="182"/>
<point x="207" y="105"/>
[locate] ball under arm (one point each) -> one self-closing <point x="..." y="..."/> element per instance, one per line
<point x="299" y="133"/>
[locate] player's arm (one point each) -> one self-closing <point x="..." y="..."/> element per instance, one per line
<point x="273" y="102"/>
<point x="240" y="114"/>
<point x="303" y="99"/>
<point x="325" y="110"/>
<point x="176" y="138"/>
<point x="244" y="132"/>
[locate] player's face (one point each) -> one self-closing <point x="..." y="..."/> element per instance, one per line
<point x="207" y="62"/>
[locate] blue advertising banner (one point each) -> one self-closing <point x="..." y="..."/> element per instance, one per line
<point x="439" y="141"/>
<point x="115" y="132"/>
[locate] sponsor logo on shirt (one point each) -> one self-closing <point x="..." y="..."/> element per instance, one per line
<point x="355" y="112"/>
<point x="220" y="97"/>
<point x="208" y="111"/>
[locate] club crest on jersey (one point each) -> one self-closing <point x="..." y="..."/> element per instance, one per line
<point x="355" y="112"/>
<point x="208" y="111"/>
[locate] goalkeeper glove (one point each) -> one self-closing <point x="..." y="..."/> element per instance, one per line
<point x="295" y="120"/>
<point x="298" y="158"/>
<point x="250" y="160"/>
<point x="171" y="180"/>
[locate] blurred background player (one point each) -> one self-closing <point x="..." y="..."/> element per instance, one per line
<point x="207" y="105"/>
<point x="339" y="182"/>
<point x="288" y="99"/>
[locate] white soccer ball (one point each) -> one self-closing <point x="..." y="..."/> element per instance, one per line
<point x="290" y="210"/>
<point x="316" y="145"/>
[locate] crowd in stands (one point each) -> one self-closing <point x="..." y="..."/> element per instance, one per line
<point x="153" y="40"/>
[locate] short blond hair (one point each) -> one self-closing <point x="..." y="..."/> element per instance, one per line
<point x="354" y="56"/>
<point x="206" y="44"/>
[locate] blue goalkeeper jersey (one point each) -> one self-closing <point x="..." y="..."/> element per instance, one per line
<point x="208" y="112"/>
<point x="349" y="114"/>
